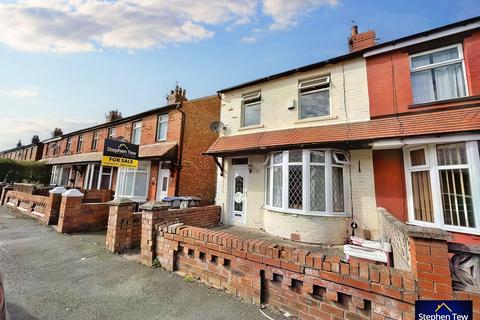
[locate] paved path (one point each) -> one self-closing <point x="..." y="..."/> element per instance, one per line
<point x="53" y="276"/>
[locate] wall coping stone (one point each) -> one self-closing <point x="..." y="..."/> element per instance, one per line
<point x="415" y="231"/>
<point x="58" y="190"/>
<point x="120" y="202"/>
<point x="154" y="205"/>
<point x="463" y="248"/>
<point x="72" y="193"/>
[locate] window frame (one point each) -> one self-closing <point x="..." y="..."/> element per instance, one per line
<point x="460" y="59"/>
<point x="68" y="145"/>
<point x="134" y="128"/>
<point x="80" y="143"/>
<point x="473" y="165"/>
<point x="112" y="132"/>
<point x="95" y="137"/>
<point x="159" y="122"/>
<point x="306" y="180"/>
<point x="121" y="174"/>
<point x="328" y="83"/>
<point x="248" y="100"/>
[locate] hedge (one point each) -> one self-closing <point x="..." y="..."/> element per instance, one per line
<point x="24" y="171"/>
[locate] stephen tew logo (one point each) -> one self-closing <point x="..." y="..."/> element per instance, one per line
<point x="443" y="310"/>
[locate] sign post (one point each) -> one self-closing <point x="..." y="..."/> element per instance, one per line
<point x="120" y="154"/>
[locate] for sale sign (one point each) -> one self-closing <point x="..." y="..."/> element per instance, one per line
<point x="443" y="310"/>
<point x="120" y="154"/>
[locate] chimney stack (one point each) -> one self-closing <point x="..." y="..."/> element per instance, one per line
<point x="358" y="41"/>
<point x="113" y="115"/>
<point x="177" y="95"/>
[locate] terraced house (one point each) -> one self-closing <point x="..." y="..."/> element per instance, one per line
<point x="171" y="139"/>
<point x="310" y="152"/>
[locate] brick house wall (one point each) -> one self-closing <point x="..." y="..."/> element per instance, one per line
<point x="389" y="84"/>
<point x="32" y="152"/>
<point x="198" y="175"/>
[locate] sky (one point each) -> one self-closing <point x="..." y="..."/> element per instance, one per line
<point x="65" y="63"/>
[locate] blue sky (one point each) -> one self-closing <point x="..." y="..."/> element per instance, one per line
<point x="67" y="62"/>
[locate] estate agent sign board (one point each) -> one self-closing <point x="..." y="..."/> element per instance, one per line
<point x="120" y="154"/>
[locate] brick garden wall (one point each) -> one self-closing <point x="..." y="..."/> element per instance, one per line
<point x="76" y="216"/>
<point x="305" y="284"/>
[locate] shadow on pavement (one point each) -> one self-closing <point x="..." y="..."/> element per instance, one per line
<point x="17" y="312"/>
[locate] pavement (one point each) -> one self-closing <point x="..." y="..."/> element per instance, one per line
<point x="52" y="276"/>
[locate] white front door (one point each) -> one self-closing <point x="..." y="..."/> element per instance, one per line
<point x="239" y="193"/>
<point x="162" y="183"/>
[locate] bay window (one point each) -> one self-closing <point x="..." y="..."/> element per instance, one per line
<point x="443" y="185"/>
<point x="307" y="181"/>
<point x="438" y="74"/>
<point x="133" y="183"/>
<point x="314" y="97"/>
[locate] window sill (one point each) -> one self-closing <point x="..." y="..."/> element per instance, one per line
<point x="445" y="228"/>
<point x="258" y="126"/>
<point x="296" y="213"/>
<point x="322" y="118"/>
<point x="446" y="101"/>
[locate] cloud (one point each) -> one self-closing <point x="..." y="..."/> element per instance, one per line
<point x="14" y="129"/>
<point x="67" y="26"/>
<point x="285" y="13"/>
<point x="22" y="92"/>
<point x="250" y="39"/>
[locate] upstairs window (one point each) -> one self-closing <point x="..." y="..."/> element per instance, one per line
<point x="438" y="74"/>
<point x="314" y="97"/>
<point x="95" y="140"/>
<point x="136" y="132"/>
<point x="251" y="109"/>
<point x="68" y="147"/>
<point x="80" y="143"/>
<point x="162" y="127"/>
<point x="112" y="132"/>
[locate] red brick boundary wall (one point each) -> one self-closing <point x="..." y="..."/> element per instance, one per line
<point x="97" y="195"/>
<point x="44" y="209"/>
<point x="308" y="285"/>
<point x="76" y="216"/>
<point x="124" y="226"/>
<point x="158" y="213"/>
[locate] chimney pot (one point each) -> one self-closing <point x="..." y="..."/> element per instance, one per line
<point x="354" y="30"/>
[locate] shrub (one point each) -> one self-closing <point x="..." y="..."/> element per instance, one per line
<point x="36" y="172"/>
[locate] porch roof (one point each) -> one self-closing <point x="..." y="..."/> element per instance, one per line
<point x="415" y="124"/>
<point x="77" y="158"/>
<point x="158" y="150"/>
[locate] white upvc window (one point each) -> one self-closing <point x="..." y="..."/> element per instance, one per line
<point x="162" y="127"/>
<point x="438" y="74"/>
<point x="137" y="132"/>
<point x="314" y="97"/>
<point x="112" y="132"/>
<point x="133" y="183"/>
<point x="80" y="143"/>
<point x="251" y="109"/>
<point x="68" y="147"/>
<point x="95" y="140"/>
<point x="309" y="181"/>
<point x="60" y="175"/>
<point x="443" y="185"/>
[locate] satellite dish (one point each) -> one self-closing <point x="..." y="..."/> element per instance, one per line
<point x="217" y="126"/>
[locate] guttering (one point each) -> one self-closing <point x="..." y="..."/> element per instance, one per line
<point x="433" y="34"/>
<point x="180" y="147"/>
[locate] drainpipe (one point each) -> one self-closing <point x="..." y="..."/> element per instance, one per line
<point x="180" y="147"/>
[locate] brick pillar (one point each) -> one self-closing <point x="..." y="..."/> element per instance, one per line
<point x="4" y="194"/>
<point x="120" y="225"/>
<point x="431" y="267"/>
<point x="70" y="210"/>
<point x="152" y="213"/>
<point x="53" y="207"/>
